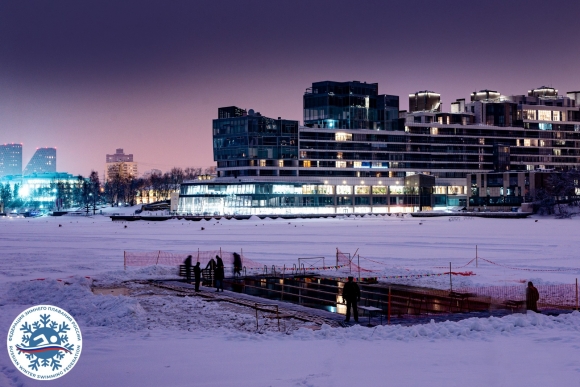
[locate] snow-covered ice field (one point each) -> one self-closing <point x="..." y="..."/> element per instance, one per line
<point x="163" y="340"/>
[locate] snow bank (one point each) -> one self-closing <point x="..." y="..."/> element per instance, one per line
<point x="74" y="295"/>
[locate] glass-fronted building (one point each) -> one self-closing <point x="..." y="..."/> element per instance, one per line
<point x="246" y="197"/>
<point x="355" y="139"/>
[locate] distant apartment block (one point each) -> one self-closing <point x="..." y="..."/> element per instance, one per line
<point x="43" y="161"/>
<point x="10" y="159"/>
<point x="120" y="163"/>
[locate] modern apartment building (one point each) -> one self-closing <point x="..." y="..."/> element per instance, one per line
<point x="357" y="152"/>
<point x="10" y="159"/>
<point x="43" y="161"/>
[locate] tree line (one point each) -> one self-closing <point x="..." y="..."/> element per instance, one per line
<point x="88" y="193"/>
<point x="559" y="193"/>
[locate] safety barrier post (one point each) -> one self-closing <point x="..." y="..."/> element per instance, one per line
<point x="576" y="293"/>
<point x="274" y="270"/>
<point x="158" y="254"/>
<point x="450" y="280"/>
<point x="389" y="308"/>
<point x="125" y="261"/>
<point x="282" y="283"/>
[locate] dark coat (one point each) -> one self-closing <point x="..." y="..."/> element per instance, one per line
<point x="351" y="292"/>
<point x="532" y="297"/>
<point x="219" y="269"/>
<point x="237" y="262"/>
<point x="197" y="272"/>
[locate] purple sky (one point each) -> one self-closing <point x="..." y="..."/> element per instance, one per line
<point x="148" y="76"/>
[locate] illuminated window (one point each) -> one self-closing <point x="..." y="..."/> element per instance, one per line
<point x="280" y="163"/>
<point x="262" y="163"/>
<point x="482" y="141"/>
<point x="302" y="154"/>
<point x="307" y="164"/>
<point x="396" y="189"/>
<point x="361" y="190"/>
<point x="544" y="115"/>
<point x="339" y="136"/>
<point x="529" y="114"/>
<point x="357" y="164"/>
<point x="343" y="189"/>
<point x="556" y="116"/>
<point x="435" y="131"/>
<point x="340" y="164"/>
<point x="440" y="190"/>
<point x="339" y="155"/>
<point x="325" y="189"/>
<point x="457" y="190"/>
<point x="308" y="189"/>
<point x="379" y="190"/>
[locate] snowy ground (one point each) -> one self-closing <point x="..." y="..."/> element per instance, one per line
<point x="153" y="338"/>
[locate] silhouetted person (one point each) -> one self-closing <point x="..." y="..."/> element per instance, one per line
<point x="197" y="276"/>
<point x="237" y="264"/>
<point x="187" y="264"/>
<point x="351" y="294"/>
<point x="532" y="297"/>
<point x="219" y="274"/>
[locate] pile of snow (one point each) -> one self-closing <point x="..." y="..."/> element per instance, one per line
<point x="75" y="296"/>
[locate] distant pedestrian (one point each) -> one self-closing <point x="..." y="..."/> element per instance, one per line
<point x="237" y="264"/>
<point x="187" y="264"/>
<point x="219" y="274"/>
<point x="532" y="297"/>
<point x="351" y="294"/>
<point x="197" y="276"/>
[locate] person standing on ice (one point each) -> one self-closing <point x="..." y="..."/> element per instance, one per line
<point x="237" y="264"/>
<point x="197" y="276"/>
<point x="187" y="263"/>
<point x="219" y="274"/>
<point x="351" y="294"/>
<point x="532" y="297"/>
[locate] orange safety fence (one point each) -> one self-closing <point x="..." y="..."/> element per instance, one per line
<point x="151" y="258"/>
<point x="564" y="295"/>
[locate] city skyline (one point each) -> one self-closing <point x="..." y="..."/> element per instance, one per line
<point x="152" y="81"/>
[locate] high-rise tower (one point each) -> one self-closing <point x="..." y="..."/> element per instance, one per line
<point x="43" y="160"/>
<point x="10" y="159"/>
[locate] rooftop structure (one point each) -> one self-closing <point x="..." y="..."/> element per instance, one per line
<point x="119" y="156"/>
<point x="349" y="105"/>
